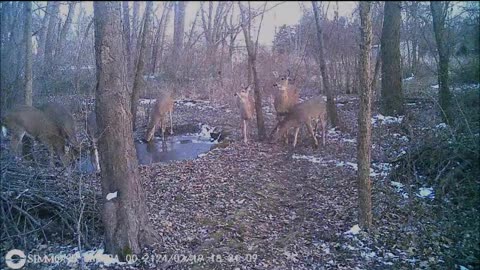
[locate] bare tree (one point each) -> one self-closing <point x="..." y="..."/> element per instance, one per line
<point x="159" y="39"/>
<point x="178" y="27"/>
<point x="392" y="94"/>
<point x="42" y="34"/>
<point x="439" y="14"/>
<point x="364" y="123"/>
<point x="50" y="42"/>
<point x="139" y="82"/>
<point x="332" y="110"/>
<point x="125" y="219"/>
<point x="252" y="48"/>
<point x="28" y="53"/>
<point x="65" y="28"/>
<point x="126" y="33"/>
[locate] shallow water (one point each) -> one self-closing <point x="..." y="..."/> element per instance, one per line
<point x="181" y="147"/>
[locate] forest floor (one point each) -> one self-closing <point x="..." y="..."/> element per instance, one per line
<point x="266" y="205"/>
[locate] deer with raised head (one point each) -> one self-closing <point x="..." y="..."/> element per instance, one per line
<point x="158" y="115"/>
<point x="285" y="97"/>
<point x="27" y="120"/>
<point x="245" y="104"/>
<point x="92" y="132"/>
<point x="303" y="113"/>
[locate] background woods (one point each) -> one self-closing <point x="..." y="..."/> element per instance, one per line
<point x="216" y="87"/>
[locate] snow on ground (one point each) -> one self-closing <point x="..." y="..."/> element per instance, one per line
<point x="436" y="86"/>
<point x="386" y="120"/>
<point x="425" y="193"/>
<point x="147" y="101"/>
<point x="409" y="78"/>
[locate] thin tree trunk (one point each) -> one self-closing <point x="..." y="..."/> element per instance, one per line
<point x="42" y="35"/>
<point x="439" y="14"/>
<point x="139" y="82"/>
<point x="392" y="94"/>
<point x="28" y="53"/>
<point x="125" y="215"/>
<point x="332" y="110"/>
<point x="65" y="28"/>
<point x="364" y="123"/>
<point x="51" y="35"/>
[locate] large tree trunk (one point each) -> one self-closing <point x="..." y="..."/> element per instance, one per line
<point x="28" y="53"/>
<point x="439" y="14"/>
<point x="392" y="94"/>
<point x="124" y="217"/>
<point x="364" y="122"/>
<point x="126" y="33"/>
<point x="139" y="81"/>
<point x="332" y="110"/>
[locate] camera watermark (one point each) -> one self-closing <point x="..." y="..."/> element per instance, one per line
<point x="15" y="259"/>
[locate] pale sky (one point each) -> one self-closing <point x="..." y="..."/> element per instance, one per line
<point x="288" y="13"/>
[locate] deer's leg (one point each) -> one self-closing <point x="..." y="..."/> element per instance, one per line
<point x="171" y="123"/>
<point x="310" y="129"/>
<point x="16" y="142"/>
<point x="323" y="123"/>
<point x="297" y="129"/>
<point x="245" y="131"/>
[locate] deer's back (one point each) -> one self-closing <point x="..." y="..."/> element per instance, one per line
<point x="33" y="121"/>
<point x="314" y="107"/>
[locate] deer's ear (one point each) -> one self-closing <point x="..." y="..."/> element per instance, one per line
<point x="275" y="74"/>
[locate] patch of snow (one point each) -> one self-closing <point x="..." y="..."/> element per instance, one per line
<point x="386" y="119"/>
<point x="436" y="86"/>
<point x="354" y="230"/>
<point x="147" y="101"/>
<point x="397" y="184"/>
<point x="202" y="155"/>
<point x="409" y="78"/>
<point x="368" y="255"/>
<point x="189" y="104"/>
<point x="340" y="164"/>
<point x="228" y="111"/>
<point x="4" y="131"/>
<point x="349" y="140"/>
<point x="308" y="158"/>
<point x="353" y="165"/>
<point x="111" y="196"/>
<point x="411" y="104"/>
<point x="441" y="125"/>
<point x="463" y="267"/>
<point x="96" y="256"/>
<point x="426" y="193"/>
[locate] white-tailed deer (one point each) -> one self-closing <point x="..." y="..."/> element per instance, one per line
<point x="303" y="113"/>
<point x="63" y="119"/>
<point x="245" y="104"/>
<point x="286" y="96"/>
<point x="92" y="131"/>
<point x="28" y="120"/>
<point x="162" y="107"/>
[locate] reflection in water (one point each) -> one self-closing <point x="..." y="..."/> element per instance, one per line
<point x="173" y="148"/>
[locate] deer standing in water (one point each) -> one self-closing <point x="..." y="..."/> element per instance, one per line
<point x="285" y="97"/>
<point x="245" y="104"/>
<point x="303" y="113"/>
<point x="158" y="115"/>
<point x="27" y="120"/>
